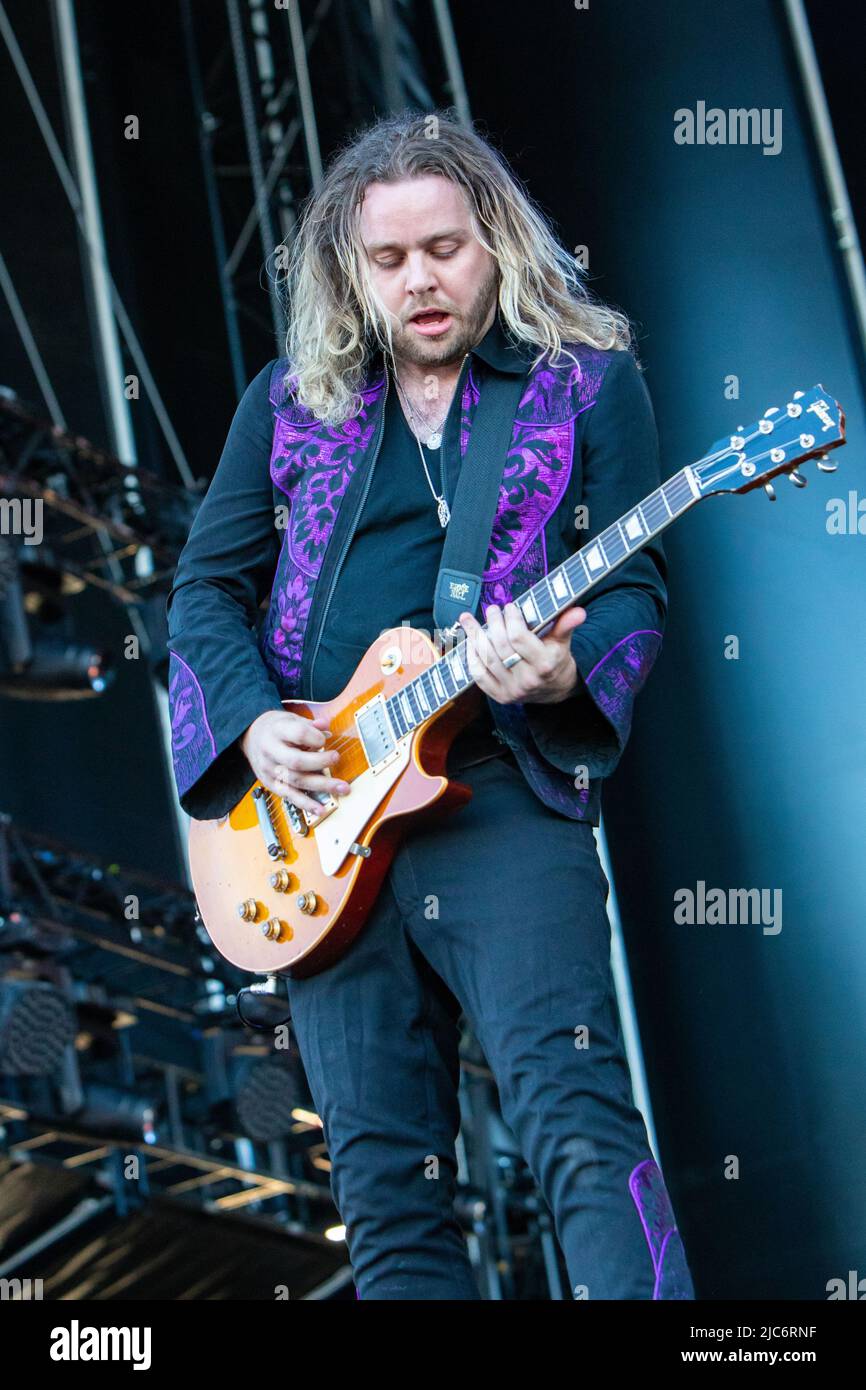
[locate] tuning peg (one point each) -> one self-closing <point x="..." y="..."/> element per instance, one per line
<point x="797" y="395"/>
<point x="770" y="491"/>
<point x="824" y="466"/>
<point x="797" y="478"/>
<point x="774" y="410"/>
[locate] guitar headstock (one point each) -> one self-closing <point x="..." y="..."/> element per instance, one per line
<point x="810" y="425"/>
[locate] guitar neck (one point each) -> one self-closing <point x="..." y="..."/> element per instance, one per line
<point x="541" y="605"/>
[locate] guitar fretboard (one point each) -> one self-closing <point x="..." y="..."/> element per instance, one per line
<point x="448" y="677"/>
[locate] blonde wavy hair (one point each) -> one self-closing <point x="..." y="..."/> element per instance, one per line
<point x="335" y="321"/>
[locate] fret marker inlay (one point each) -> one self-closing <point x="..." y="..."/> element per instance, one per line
<point x="449" y="675"/>
<point x="530" y="612"/>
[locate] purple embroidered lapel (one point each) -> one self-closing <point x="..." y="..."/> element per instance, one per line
<point x="313" y="463"/>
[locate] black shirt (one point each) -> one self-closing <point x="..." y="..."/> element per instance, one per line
<point x="398" y="535"/>
<point x="227" y="567"/>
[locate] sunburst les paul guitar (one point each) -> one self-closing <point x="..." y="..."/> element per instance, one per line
<point x="283" y="890"/>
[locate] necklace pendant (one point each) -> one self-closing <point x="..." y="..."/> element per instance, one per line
<point x="444" y="513"/>
<point x="434" y="440"/>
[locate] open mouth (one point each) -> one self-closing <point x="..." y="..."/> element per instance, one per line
<point x="431" y="321"/>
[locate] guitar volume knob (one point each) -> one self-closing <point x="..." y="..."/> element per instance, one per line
<point x="272" y="928"/>
<point x="248" y="910"/>
<point x="307" y="902"/>
<point x="281" y="880"/>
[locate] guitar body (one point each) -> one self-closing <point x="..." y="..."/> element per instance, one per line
<point x="233" y="860"/>
<point x="284" y="892"/>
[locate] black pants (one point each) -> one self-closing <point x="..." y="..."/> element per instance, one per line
<point x="498" y="912"/>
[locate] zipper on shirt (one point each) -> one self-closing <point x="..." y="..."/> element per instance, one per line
<point x="352" y="529"/>
<point x="458" y="394"/>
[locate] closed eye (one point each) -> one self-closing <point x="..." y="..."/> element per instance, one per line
<point x="440" y="255"/>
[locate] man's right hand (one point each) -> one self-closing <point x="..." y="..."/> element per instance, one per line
<point x="287" y="753"/>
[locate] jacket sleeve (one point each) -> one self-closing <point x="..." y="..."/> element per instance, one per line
<point x="218" y="683"/>
<point x="616" y="646"/>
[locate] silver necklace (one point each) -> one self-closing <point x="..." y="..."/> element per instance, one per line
<point x="433" y="441"/>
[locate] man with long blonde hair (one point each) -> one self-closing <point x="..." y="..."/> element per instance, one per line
<point x="421" y="276"/>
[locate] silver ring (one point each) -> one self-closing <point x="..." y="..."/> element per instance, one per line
<point x="512" y="660"/>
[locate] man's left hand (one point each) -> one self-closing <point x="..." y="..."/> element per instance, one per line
<point x="548" y="672"/>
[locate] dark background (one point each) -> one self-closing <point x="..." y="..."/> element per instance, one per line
<point x="746" y="773"/>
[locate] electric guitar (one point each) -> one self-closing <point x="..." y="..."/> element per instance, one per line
<point x="283" y="890"/>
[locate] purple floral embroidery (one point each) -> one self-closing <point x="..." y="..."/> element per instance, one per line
<point x="312" y="464"/>
<point x="313" y="467"/>
<point x="530" y="566"/>
<point x="283" y="635"/>
<point x="538" y="464"/>
<point x="615" y="680"/>
<point x="556" y="395"/>
<point x="192" y="743"/>
<point x="647" y="1187"/>
<point x="536" y="474"/>
<point x="468" y="403"/>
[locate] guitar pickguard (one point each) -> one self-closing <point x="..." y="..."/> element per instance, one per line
<point x="342" y="826"/>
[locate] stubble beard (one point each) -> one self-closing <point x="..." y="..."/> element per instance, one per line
<point x="465" y="333"/>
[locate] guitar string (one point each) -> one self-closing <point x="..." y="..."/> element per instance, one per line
<point x="346" y="741"/>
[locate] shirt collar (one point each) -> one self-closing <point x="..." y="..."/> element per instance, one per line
<point x="499" y="350"/>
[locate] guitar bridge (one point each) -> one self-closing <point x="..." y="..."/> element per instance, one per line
<point x="266" y="824"/>
<point x="329" y="804"/>
<point x="294" y="817"/>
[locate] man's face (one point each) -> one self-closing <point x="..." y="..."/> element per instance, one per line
<point x="422" y="254"/>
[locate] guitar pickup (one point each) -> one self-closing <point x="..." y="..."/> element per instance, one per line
<point x="380" y="745"/>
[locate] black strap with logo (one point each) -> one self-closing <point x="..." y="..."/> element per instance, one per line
<point x="467" y="539"/>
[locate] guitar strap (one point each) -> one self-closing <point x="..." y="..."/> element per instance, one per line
<point x="467" y="539"/>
